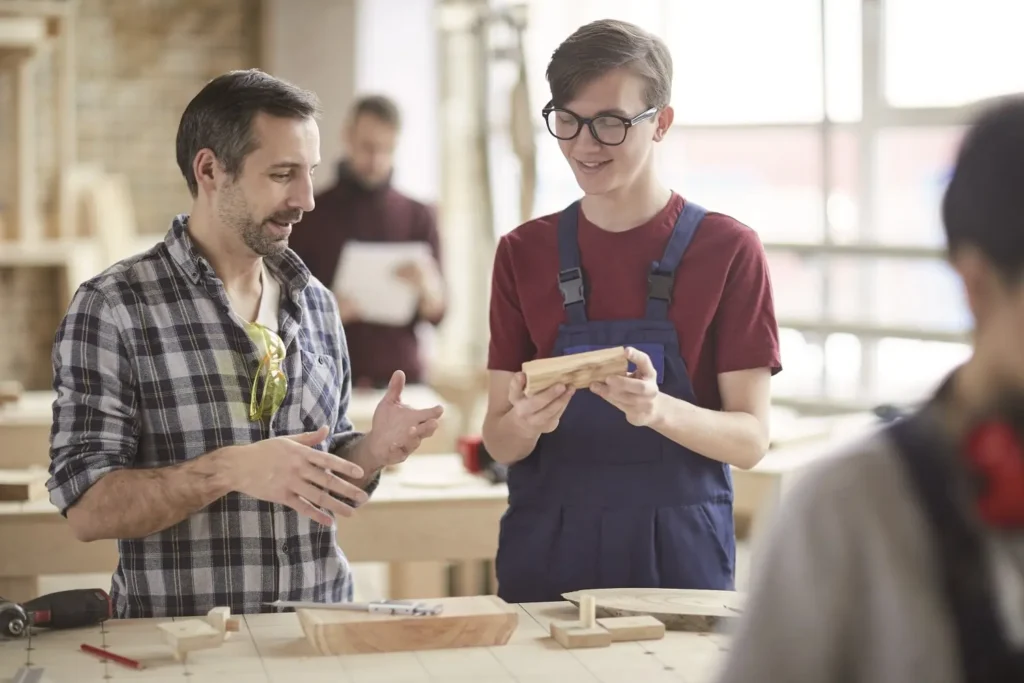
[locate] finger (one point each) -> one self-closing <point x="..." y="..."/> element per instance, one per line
<point x="644" y="366"/>
<point x="516" y="387"/>
<point x="323" y="500"/>
<point x="542" y="400"/>
<point x="328" y="481"/>
<point x="628" y="385"/>
<point x="424" y="414"/>
<point x="309" y="438"/>
<point x="395" y="386"/>
<point x="303" y="507"/>
<point x="329" y="461"/>
<point x="553" y="410"/>
<point x="425" y="429"/>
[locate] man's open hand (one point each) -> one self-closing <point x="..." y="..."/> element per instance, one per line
<point x="290" y="471"/>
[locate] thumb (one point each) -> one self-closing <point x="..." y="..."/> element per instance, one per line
<point x="516" y="387"/>
<point x="395" y="386"/>
<point x="310" y="438"/>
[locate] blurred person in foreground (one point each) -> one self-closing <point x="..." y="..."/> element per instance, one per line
<point x="902" y="559"/>
<point x="363" y="205"/>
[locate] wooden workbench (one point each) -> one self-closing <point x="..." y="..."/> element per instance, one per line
<point x="270" y="648"/>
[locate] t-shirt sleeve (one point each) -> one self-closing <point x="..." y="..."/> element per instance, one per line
<point x="747" y="333"/>
<point x="510" y="345"/>
<point x="796" y="624"/>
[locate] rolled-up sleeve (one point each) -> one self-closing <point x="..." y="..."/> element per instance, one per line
<point x="95" y="413"/>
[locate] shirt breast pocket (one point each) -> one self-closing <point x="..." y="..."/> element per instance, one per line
<point x="320" y="391"/>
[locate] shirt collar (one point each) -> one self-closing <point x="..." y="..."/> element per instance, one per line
<point x="286" y="266"/>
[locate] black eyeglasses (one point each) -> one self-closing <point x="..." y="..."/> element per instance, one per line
<point x="608" y="129"/>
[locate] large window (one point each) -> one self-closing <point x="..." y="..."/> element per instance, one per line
<point x="832" y="136"/>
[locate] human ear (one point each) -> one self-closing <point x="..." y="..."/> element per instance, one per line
<point x="662" y="123"/>
<point x="206" y="168"/>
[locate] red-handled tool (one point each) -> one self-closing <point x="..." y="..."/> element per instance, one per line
<point x="62" y="610"/>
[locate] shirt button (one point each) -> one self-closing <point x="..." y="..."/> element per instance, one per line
<point x="284" y="547"/>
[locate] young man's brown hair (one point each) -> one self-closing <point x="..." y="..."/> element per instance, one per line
<point x="605" y="45"/>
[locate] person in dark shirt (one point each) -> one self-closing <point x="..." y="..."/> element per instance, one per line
<point x="363" y="206"/>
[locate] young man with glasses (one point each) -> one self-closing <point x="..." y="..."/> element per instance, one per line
<point x="626" y="483"/>
<point x="901" y="558"/>
<point x="202" y="386"/>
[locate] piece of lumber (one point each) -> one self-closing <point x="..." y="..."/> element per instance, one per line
<point x="643" y="627"/>
<point x="578" y="370"/>
<point x="574" y="634"/>
<point x="678" y="609"/>
<point x="190" y="634"/>
<point x="21" y="486"/>
<point x="475" y="621"/>
<point x="220" y="619"/>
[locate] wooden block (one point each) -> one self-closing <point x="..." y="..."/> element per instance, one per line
<point x="476" y="621"/>
<point x="588" y="610"/>
<point x="643" y="627"/>
<point x="190" y="634"/>
<point x="573" y="635"/>
<point x="23" y="485"/>
<point x="579" y="370"/>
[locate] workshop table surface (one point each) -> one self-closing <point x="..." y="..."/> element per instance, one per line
<point x="271" y="648"/>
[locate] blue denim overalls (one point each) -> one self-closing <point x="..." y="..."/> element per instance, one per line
<point x="601" y="503"/>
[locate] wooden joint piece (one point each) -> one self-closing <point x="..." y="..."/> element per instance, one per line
<point x="578" y="370"/>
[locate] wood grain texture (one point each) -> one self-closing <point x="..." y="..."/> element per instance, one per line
<point x="682" y="610"/>
<point x="474" y="621"/>
<point x="271" y="648"/>
<point x="578" y="370"/>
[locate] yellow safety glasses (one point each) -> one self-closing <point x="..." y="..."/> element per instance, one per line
<point x="263" y="404"/>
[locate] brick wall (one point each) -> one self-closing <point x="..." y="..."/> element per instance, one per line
<point x="138" y="64"/>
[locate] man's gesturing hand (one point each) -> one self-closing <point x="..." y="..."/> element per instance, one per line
<point x="289" y="471"/>
<point x="537" y="414"/>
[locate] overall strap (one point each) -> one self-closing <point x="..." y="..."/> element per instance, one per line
<point x="662" y="276"/>
<point x="985" y="654"/>
<point x="570" y="274"/>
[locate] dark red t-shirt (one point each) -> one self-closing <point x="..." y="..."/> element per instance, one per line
<point x="722" y="303"/>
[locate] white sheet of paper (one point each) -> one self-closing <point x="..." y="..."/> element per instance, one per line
<point x="366" y="274"/>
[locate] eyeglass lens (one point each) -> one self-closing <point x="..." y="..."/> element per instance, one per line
<point x="565" y="125"/>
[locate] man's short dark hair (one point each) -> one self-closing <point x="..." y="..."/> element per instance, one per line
<point x="605" y="45"/>
<point x="220" y="117"/>
<point x="983" y="205"/>
<point x="379" y="106"/>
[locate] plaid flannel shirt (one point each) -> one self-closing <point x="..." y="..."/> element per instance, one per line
<point x="150" y="370"/>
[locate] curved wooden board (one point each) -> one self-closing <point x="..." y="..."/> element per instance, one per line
<point x="678" y="609"/>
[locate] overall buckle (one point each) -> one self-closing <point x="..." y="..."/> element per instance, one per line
<point x="659" y="285"/>
<point x="570" y="281"/>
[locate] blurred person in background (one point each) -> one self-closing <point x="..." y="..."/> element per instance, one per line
<point x="902" y="559"/>
<point x="364" y="206"/>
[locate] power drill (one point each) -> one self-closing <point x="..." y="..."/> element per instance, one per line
<point x="65" y="609"/>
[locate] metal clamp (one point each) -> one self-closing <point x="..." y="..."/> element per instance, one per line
<point x="570" y="281"/>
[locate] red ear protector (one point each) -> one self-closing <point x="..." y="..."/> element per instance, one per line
<point x="995" y="454"/>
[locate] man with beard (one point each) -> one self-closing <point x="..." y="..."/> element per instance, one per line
<point x="364" y="206"/>
<point x="202" y="386"/>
